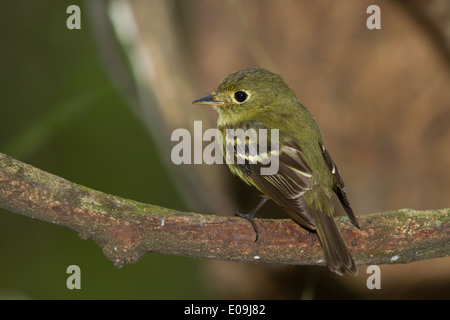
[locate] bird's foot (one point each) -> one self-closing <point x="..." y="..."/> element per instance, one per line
<point x="249" y="217"/>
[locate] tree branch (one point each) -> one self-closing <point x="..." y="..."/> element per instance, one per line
<point x="126" y="229"/>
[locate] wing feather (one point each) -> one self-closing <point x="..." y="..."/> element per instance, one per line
<point x="288" y="185"/>
<point x="339" y="186"/>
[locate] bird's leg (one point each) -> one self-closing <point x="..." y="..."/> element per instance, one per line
<point x="249" y="216"/>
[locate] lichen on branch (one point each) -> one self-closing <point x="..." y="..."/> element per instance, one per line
<point x="126" y="229"/>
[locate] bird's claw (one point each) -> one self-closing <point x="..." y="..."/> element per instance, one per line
<point x="249" y="217"/>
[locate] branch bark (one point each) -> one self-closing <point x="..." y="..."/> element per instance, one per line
<point x="126" y="229"/>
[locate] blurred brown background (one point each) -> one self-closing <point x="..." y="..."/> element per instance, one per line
<point x="381" y="98"/>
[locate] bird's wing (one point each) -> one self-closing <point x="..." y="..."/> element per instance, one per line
<point x="291" y="186"/>
<point x="288" y="185"/>
<point x="339" y="186"/>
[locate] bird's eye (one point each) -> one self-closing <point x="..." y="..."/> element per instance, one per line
<point x="240" y="96"/>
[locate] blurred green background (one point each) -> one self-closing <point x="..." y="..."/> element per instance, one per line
<point x="99" y="111"/>
<point x="61" y="113"/>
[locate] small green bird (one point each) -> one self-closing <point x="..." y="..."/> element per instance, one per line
<point x="258" y="99"/>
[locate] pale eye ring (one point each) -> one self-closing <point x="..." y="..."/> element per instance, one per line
<point x="240" y="96"/>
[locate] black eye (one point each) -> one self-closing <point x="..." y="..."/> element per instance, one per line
<point x="240" y="96"/>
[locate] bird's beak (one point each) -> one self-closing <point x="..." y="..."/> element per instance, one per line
<point x="210" y="101"/>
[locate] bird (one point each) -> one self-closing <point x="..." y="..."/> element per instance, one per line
<point x="256" y="99"/>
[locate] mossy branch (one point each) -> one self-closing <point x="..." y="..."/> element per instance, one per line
<point x="126" y="229"/>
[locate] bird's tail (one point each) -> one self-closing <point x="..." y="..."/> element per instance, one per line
<point x="337" y="255"/>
